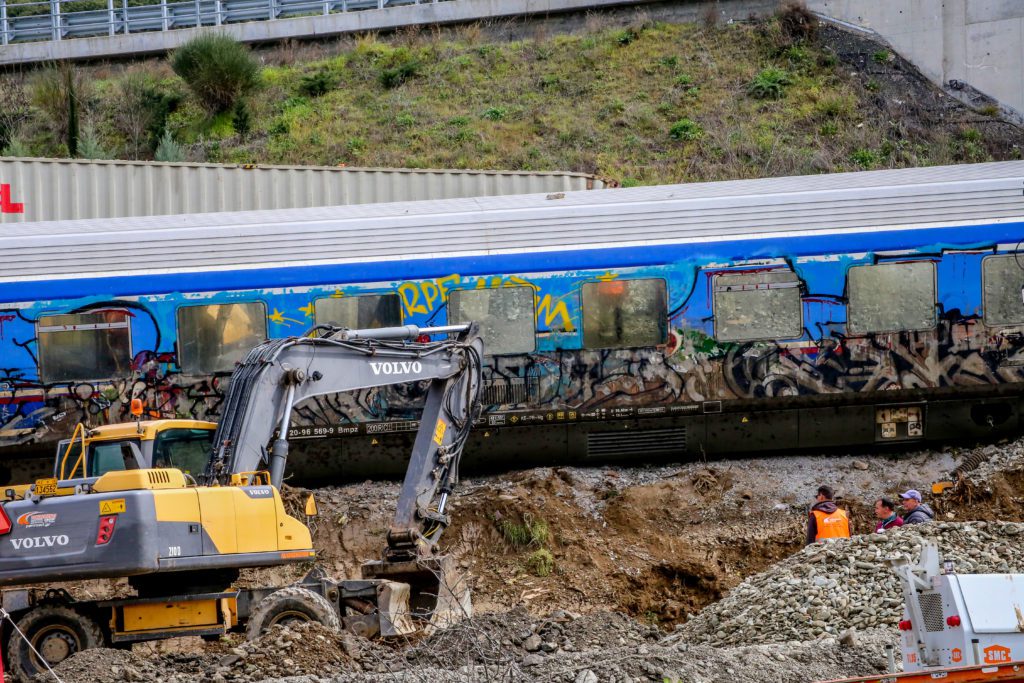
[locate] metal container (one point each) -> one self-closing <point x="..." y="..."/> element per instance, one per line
<point x="66" y="189"/>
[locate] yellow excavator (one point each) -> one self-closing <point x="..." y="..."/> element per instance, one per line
<point x="178" y="507"/>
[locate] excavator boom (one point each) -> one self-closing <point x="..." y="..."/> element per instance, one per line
<point x="280" y="373"/>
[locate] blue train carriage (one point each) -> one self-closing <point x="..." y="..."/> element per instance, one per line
<point x="749" y="316"/>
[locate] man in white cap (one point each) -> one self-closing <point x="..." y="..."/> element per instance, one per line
<point x="917" y="512"/>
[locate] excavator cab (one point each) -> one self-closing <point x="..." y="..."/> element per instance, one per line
<point x="178" y="444"/>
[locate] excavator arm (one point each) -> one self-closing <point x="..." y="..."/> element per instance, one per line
<point x="280" y="373"/>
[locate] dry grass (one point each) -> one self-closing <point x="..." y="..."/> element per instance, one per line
<point x="603" y="101"/>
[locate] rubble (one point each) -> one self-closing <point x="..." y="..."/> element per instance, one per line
<point x="827" y="589"/>
<point x="691" y="573"/>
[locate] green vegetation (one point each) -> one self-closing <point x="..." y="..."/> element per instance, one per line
<point x="770" y="84"/>
<point x="685" y="129"/>
<point x="217" y="69"/>
<point x="526" y="533"/>
<point x="541" y="562"/>
<point x="648" y="103"/>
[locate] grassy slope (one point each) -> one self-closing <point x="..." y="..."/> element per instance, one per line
<point x="602" y="102"/>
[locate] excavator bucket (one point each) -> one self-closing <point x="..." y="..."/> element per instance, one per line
<point x="438" y="594"/>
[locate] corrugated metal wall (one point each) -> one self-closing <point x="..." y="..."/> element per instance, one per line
<point x="50" y="189"/>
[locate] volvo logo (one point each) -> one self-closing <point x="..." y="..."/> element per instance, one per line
<point x="39" y="541"/>
<point x="399" y="368"/>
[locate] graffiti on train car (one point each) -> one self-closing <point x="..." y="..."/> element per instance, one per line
<point x="562" y="379"/>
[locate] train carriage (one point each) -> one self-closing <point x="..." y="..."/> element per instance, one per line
<point x="813" y="312"/>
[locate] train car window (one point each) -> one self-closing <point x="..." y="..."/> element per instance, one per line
<point x="508" y="322"/>
<point x="1003" y="278"/>
<point x="751" y="306"/>
<point x="213" y="338"/>
<point x="84" y="346"/>
<point x="361" y="312"/>
<point x="891" y="297"/>
<point x="623" y="313"/>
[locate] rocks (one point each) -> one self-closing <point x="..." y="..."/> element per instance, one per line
<point x="830" y="590"/>
<point x="532" y="644"/>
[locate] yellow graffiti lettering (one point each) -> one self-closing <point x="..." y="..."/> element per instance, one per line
<point x="551" y="312"/>
<point x="430" y="293"/>
<point x="445" y="283"/>
<point x="410" y="294"/>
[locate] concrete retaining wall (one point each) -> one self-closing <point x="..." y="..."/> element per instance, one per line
<point x="977" y="42"/>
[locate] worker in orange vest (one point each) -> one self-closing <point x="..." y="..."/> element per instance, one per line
<point x="826" y="520"/>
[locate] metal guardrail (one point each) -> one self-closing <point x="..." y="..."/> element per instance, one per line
<point x="22" y="22"/>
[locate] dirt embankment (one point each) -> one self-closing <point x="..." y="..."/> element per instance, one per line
<point x="657" y="543"/>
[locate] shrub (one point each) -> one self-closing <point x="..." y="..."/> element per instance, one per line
<point x="401" y="67"/>
<point x="317" y="84"/>
<point x="865" y="158"/>
<point x="796" y="54"/>
<point x="14" y="109"/>
<point x="541" y="562"/>
<point x="626" y="36"/>
<point x="685" y="129"/>
<point x="169" y="149"/>
<point x="89" y="145"/>
<point x="60" y="91"/>
<point x="769" y="84"/>
<point x="880" y="57"/>
<point x="16" y="148"/>
<point x="798" y="22"/>
<point x="495" y="113"/>
<point x="970" y="135"/>
<point x="217" y="69"/>
<point x="872" y="86"/>
<point x="241" y="118"/>
<point x="523" y="534"/>
<point x="829" y="129"/>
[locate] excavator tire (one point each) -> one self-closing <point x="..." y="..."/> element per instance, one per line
<point x="56" y="633"/>
<point x="291" y="604"/>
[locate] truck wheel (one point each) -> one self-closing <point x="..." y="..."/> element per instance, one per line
<point x="56" y="633"/>
<point x="288" y="605"/>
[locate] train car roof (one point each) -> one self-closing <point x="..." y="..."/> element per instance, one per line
<point x="665" y="214"/>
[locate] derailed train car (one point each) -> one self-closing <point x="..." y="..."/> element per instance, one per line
<point x="630" y="324"/>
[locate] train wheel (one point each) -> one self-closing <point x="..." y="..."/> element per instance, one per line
<point x="290" y="605"/>
<point x="56" y="633"/>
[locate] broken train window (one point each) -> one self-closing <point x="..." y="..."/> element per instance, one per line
<point x="84" y="346"/>
<point x="213" y="338"/>
<point x="749" y="306"/>
<point x="361" y="312"/>
<point x="506" y="316"/>
<point x="891" y="297"/>
<point x="624" y="313"/>
<point x="1003" y="278"/>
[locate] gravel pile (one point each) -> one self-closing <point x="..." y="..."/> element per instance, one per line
<point x="677" y="662"/>
<point x="825" y="590"/>
<point x="982" y="463"/>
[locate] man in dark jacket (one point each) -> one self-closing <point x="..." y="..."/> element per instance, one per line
<point x="917" y="512"/>
<point x="825" y="520"/>
<point x="885" y="512"/>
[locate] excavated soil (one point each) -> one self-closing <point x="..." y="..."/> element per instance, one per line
<point x="635" y="555"/>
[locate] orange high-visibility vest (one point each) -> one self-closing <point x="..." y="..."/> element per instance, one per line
<point x="835" y="525"/>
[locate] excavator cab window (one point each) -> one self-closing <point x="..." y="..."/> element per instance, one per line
<point x="112" y="456"/>
<point x="185" y="449"/>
